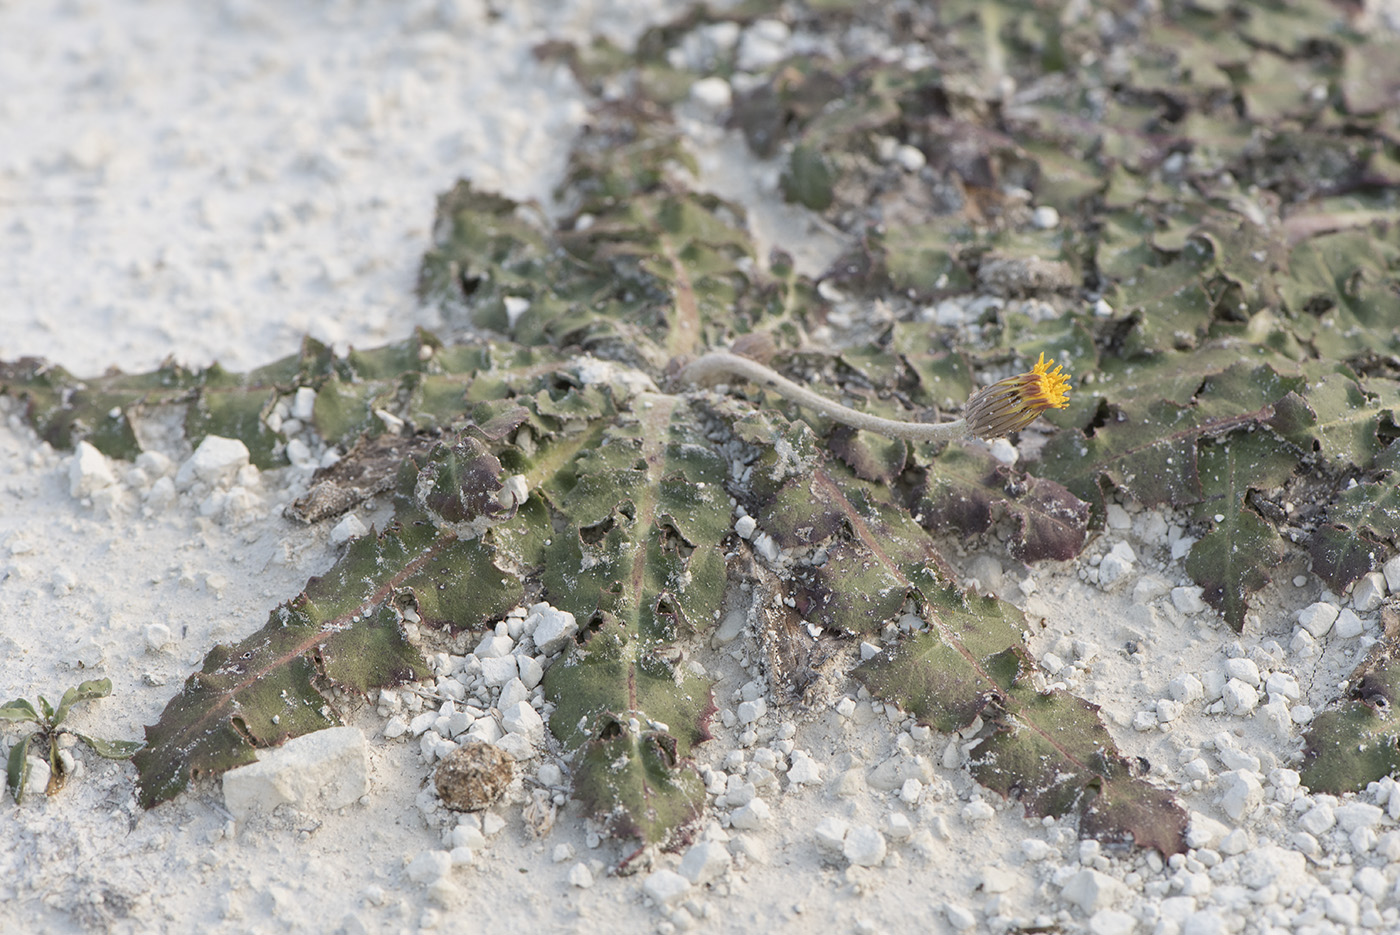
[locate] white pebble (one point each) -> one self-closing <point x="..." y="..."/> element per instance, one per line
<point x="1318" y="618"/>
<point x="1005" y="452"/>
<point x="750" y="711"/>
<point x="1186" y="689"/>
<point x="215" y="461"/>
<point x="1091" y="890"/>
<point x="1243" y="669"/>
<point x="1391" y="571"/>
<point x="304" y="403"/>
<point x="665" y="886"/>
<point x="704" y="862"/>
<point x="910" y="158"/>
<point x="348" y="528"/>
<point x="1046" y="217"/>
<point x="864" y="846"/>
<point x="429" y="867"/>
<point x="977" y="811"/>
<point x="580" y="876"/>
<point x="1187" y="599"/>
<point x="1240" y="697"/>
<point x="752" y="816"/>
<point x="89" y="471"/>
<point x="1348" y="625"/>
<point x="804" y="769"/>
<point x="712" y="93"/>
<point x="1242" y="792"/>
<point x="158" y="636"/>
<point x="1369" y="592"/>
<point x="959" y="917"/>
<point x="745" y="526"/>
<point x="830" y="834"/>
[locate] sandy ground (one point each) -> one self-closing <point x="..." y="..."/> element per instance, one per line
<point x="214" y="181"/>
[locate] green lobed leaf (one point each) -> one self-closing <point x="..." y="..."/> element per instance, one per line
<point x="111" y="749"/>
<point x="1352" y="540"/>
<point x="1048" y="749"/>
<point x="1232" y="560"/>
<point x="17" y="769"/>
<point x="1356" y="740"/>
<point x="96" y="688"/>
<point x="18" y="710"/>
<point x="343" y="629"/>
<point x="640" y="555"/>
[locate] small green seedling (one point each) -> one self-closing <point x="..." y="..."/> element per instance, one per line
<point x="50" y="726"/>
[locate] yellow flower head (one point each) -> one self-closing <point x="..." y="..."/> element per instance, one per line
<point x="1012" y="404"/>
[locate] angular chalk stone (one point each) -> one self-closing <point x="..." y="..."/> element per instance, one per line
<point x="324" y="771"/>
<point x="215" y="461"/>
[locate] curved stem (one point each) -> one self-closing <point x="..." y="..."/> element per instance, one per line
<point x="723" y="363"/>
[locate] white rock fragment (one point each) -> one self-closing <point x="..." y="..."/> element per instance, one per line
<point x="1318" y="618"/>
<point x="804" y="770"/>
<point x="704" y="862"/>
<point x="524" y="720"/>
<point x="1240" y="698"/>
<point x="977" y="811"/>
<point x="531" y="671"/>
<point x="1149" y="587"/>
<point x="158" y="637"/>
<point x="1283" y="684"/>
<point x="304" y="403"/>
<point x="1356" y="815"/>
<point x="1092" y="891"/>
<point x="1187" y="599"/>
<point x="580" y="876"/>
<point x="1111" y="922"/>
<point x="664" y="887"/>
<point x="348" y="528"/>
<point x="1368" y="593"/>
<point x="1204" y="831"/>
<point x="864" y="846"/>
<point x="1116" y="565"/>
<point x="959" y="917"/>
<point x="216" y="461"/>
<point x="324" y="770"/>
<point x="1241" y="792"/>
<point x="552" y="628"/>
<point x="1047" y="217"/>
<point x="712" y="93"/>
<point x="1168" y="710"/>
<point x="1243" y="669"/>
<point x="498" y="670"/>
<point x="752" y="816"/>
<point x="1035" y="850"/>
<point x="830" y="834"/>
<point x="1186" y="689"/>
<point x="1391" y="571"/>
<point x="429" y="867"/>
<point x="750" y="711"/>
<point x="745" y="526"/>
<point x="1348" y="625"/>
<point x="88" y="471"/>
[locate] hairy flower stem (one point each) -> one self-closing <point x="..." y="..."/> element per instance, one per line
<point x="718" y="364"/>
